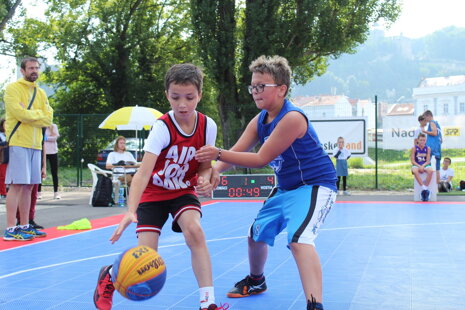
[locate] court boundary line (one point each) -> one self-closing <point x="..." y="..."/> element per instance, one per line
<point x="53" y="233"/>
<point x="224" y="239"/>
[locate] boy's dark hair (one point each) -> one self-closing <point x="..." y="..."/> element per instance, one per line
<point x="421" y="135"/>
<point x="421" y="118"/>
<point x="428" y="113"/>
<point x="186" y="73"/>
<point x="276" y="66"/>
<point x="25" y="60"/>
<point x="450" y="161"/>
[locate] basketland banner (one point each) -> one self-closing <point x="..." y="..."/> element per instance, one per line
<point x="353" y="130"/>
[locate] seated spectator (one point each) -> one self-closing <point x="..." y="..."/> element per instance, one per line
<point x="420" y="157"/>
<point x="445" y="176"/>
<point x="121" y="157"/>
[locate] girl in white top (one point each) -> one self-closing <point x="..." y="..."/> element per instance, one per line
<point x="342" y="155"/>
<point x="51" y="153"/>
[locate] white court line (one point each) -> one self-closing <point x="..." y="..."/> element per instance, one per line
<point x="220" y="239"/>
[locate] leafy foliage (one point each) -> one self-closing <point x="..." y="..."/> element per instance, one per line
<point x="306" y="32"/>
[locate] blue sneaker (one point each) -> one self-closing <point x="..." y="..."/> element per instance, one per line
<point x="427" y="195"/>
<point x="33" y="232"/>
<point x="424" y="195"/>
<point x="17" y="235"/>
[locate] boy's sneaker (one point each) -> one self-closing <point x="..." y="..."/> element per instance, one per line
<point x="103" y="294"/>
<point x="313" y="305"/>
<point x="16" y="235"/>
<point x="33" y="232"/>
<point x="35" y="225"/>
<point x="247" y="287"/>
<point x="215" y="307"/>
<point x="425" y="195"/>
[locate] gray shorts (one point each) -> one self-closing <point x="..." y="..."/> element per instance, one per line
<point x="24" y="166"/>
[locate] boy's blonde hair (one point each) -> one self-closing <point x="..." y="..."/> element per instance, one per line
<point x="276" y="66"/>
<point x="183" y="74"/>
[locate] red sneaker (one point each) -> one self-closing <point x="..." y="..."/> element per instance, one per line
<point x="103" y="295"/>
<point x="215" y="307"/>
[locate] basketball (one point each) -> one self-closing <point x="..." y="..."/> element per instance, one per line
<point x="139" y="273"/>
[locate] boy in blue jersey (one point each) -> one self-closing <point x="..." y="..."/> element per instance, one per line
<point x="306" y="188"/>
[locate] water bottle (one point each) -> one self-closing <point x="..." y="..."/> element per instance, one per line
<point x="121" y="197"/>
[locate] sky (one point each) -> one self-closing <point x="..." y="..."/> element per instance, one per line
<point x="418" y="18"/>
<point x="422" y="17"/>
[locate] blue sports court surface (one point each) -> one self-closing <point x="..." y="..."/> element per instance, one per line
<point x="375" y="255"/>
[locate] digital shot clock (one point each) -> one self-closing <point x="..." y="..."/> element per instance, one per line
<point x="245" y="186"/>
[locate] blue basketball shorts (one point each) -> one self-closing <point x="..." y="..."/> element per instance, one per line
<point x="300" y="211"/>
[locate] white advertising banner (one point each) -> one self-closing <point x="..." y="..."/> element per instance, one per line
<point x="353" y="130"/>
<point x="398" y="131"/>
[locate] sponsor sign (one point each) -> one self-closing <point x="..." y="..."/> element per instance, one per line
<point x="353" y="130"/>
<point x="398" y="131"/>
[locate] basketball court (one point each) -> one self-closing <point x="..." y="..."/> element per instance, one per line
<point x="375" y="255"/>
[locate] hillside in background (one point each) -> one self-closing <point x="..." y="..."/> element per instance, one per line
<point x="391" y="66"/>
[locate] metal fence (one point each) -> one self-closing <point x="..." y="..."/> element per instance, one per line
<point x="385" y="169"/>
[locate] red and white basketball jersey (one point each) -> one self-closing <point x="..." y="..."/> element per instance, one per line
<point x="175" y="172"/>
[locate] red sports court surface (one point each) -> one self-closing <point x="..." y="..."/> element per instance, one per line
<point x="375" y="255"/>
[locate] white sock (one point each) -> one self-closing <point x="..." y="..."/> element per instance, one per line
<point x="10" y="229"/>
<point x="207" y="296"/>
<point x="24" y="226"/>
<point x="424" y="187"/>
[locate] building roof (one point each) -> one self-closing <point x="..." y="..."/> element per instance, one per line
<point x="323" y="100"/>
<point x="401" y="109"/>
<point x="442" y="81"/>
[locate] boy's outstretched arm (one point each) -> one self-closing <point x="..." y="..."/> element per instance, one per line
<point x="291" y="127"/>
<point x="138" y="185"/>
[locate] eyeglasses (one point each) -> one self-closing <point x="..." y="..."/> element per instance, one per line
<point x="259" y="88"/>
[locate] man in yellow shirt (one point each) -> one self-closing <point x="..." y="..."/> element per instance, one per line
<point x="27" y="111"/>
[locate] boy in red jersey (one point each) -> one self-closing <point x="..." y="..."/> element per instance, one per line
<point x="169" y="180"/>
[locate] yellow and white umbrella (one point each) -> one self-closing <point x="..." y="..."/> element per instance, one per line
<point x="131" y="118"/>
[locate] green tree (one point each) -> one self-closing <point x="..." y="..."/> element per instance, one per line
<point x="7" y="11"/>
<point x="306" y="32"/>
<point x="110" y="53"/>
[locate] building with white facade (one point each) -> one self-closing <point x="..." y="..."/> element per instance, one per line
<point x="324" y="106"/>
<point x="441" y="95"/>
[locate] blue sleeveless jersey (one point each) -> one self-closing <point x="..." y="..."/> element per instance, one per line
<point x="434" y="142"/>
<point x="305" y="162"/>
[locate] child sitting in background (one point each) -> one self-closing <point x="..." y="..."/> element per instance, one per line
<point x="445" y="176"/>
<point x="420" y="157"/>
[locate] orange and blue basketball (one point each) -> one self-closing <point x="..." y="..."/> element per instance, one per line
<point x="139" y="273"/>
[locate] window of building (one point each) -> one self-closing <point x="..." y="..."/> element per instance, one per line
<point x="425" y="107"/>
<point x="462" y="107"/>
<point x="446" y="109"/>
